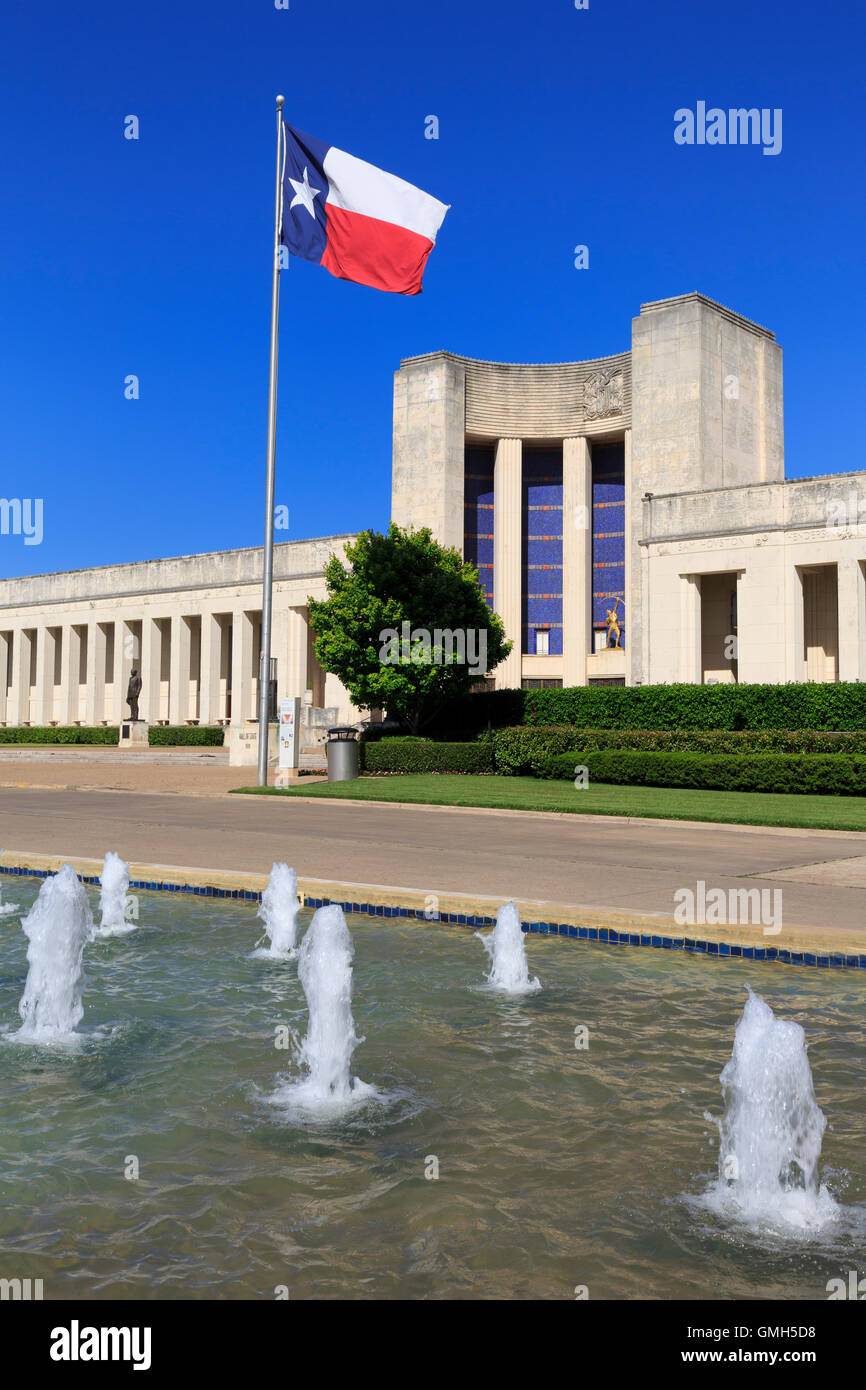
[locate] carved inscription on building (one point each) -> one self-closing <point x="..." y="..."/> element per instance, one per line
<point x="602" y="395"/>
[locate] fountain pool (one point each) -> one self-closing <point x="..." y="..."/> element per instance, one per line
<point x="557" y="1166"/>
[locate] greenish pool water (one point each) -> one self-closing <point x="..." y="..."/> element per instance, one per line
<point x="558" y="1167"/>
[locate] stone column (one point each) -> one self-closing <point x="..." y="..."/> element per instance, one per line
<point x="118" y="687"/>
<point x="70" y="659"/>
<point x="225" y="674"/>
<point x="79" y="672"/>
<point x="178" y="697"/>
<point x="44" y="710"/>
<point x="298" y="672"/>
<point x="576" y="560"/>
<point x="87" y="716"/>
<point x="691" y="668"/>
<point x="151" y="669"/>
<point x="851" y="601"/>
<point x="752" y="636"/>
<point x="178" y="668"/>
<point x="29" y="657"/>
<point x="65" y="713"/>
<point x="761" y="650"/>
<point x="54" y="659"/>
<point x="508" y="556"/>
<point x="209" y="670"/>
<point x="237" y="625"/>
<point x="794" y="625"/>
<point x="15" y="713"/>
<point x="96" y="645"/>
<point x="5" y="653"/>
<point x="280" y="648"/>
<point x="242" y="659"/>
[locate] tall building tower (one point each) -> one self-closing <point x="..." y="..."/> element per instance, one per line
<point x="542" y="475"/>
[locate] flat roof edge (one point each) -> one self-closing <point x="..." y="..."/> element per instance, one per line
<point x="167" y="559"/>
<point x="694" y="296"/>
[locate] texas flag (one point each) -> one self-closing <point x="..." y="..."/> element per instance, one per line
<point x="357" y="221"/>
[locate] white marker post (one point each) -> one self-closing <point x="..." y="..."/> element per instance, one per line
<point x="290" y="718"/>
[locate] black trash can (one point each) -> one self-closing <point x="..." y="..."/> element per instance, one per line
<point x="343" y="754"/>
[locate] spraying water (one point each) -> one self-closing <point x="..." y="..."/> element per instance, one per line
<point x="114" y="901"/>
<point x="57" y="925"/>
<point x="279" y="910"/>
<point x="507" y="952"/>
<point x="772" y="1128"/>
<point x="325" y="971"/>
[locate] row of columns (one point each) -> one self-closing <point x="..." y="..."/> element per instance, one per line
<point x="763" y="652"/>
<point x="508" y="575"/>
<point x="57" y="672"/>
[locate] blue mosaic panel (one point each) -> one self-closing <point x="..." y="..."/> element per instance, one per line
<point x="542" y="547"/>
<point x="478" y="515"/>
<point x="608" y="536"/>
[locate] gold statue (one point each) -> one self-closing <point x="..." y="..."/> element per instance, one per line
<point x="613" y="628"/>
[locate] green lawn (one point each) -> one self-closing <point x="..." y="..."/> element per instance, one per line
<point x="533" y="794"/>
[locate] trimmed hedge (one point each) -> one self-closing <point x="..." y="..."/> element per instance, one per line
<point x="61" y="733"/>
<point x="794" y="706"/>
<point x="823" y="774"/>
<point x="175" y="735"/>
<point x="159" y="735"/>
<point x="518" y="751"/>
<point x="397" y="755"/>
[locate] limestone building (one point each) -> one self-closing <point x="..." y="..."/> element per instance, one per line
<point x="648" y="485"/>
<point x="191" y="625"/>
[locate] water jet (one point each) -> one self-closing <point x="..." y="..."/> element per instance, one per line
<point x="325" y="1056"/>
<point x="771" y="1132"/>
<point x="57" y="927"/>
<point x="506" y="950"/>
<point x="279" y="910"/>
<point x="114" y="901"/>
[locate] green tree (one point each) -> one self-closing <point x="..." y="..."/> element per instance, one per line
<point x="405" y="626"/>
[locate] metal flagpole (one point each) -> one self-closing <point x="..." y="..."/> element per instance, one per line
<point x="268" y="566"/>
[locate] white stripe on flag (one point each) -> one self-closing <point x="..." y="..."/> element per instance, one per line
<point x="360" y="187"/>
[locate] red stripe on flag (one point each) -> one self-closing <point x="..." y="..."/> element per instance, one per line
<point x="379" y="254"/>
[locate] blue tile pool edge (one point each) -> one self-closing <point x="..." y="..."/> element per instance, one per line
<point x="609" y="936"/>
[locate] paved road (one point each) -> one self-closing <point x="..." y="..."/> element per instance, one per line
<point x="570" y="860"/>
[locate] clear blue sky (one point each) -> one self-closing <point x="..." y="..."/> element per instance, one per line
<point x="556" y="128"/>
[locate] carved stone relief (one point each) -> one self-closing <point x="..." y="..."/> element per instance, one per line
<point x="602" y="395"/>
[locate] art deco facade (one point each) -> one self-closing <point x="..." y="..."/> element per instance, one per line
<point x="648" y="485"/>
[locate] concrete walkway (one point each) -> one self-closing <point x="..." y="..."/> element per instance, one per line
<point x="170" y="777"/>
<point x="594" y="869"/>
<point x="189" y="772"/>
<point x="94" y="755"/>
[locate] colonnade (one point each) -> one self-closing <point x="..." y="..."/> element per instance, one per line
<point x="196" y="665"/>
<point x="795" y="621"/>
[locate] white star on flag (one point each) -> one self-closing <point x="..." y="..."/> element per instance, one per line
<point x="304" y="194"/>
